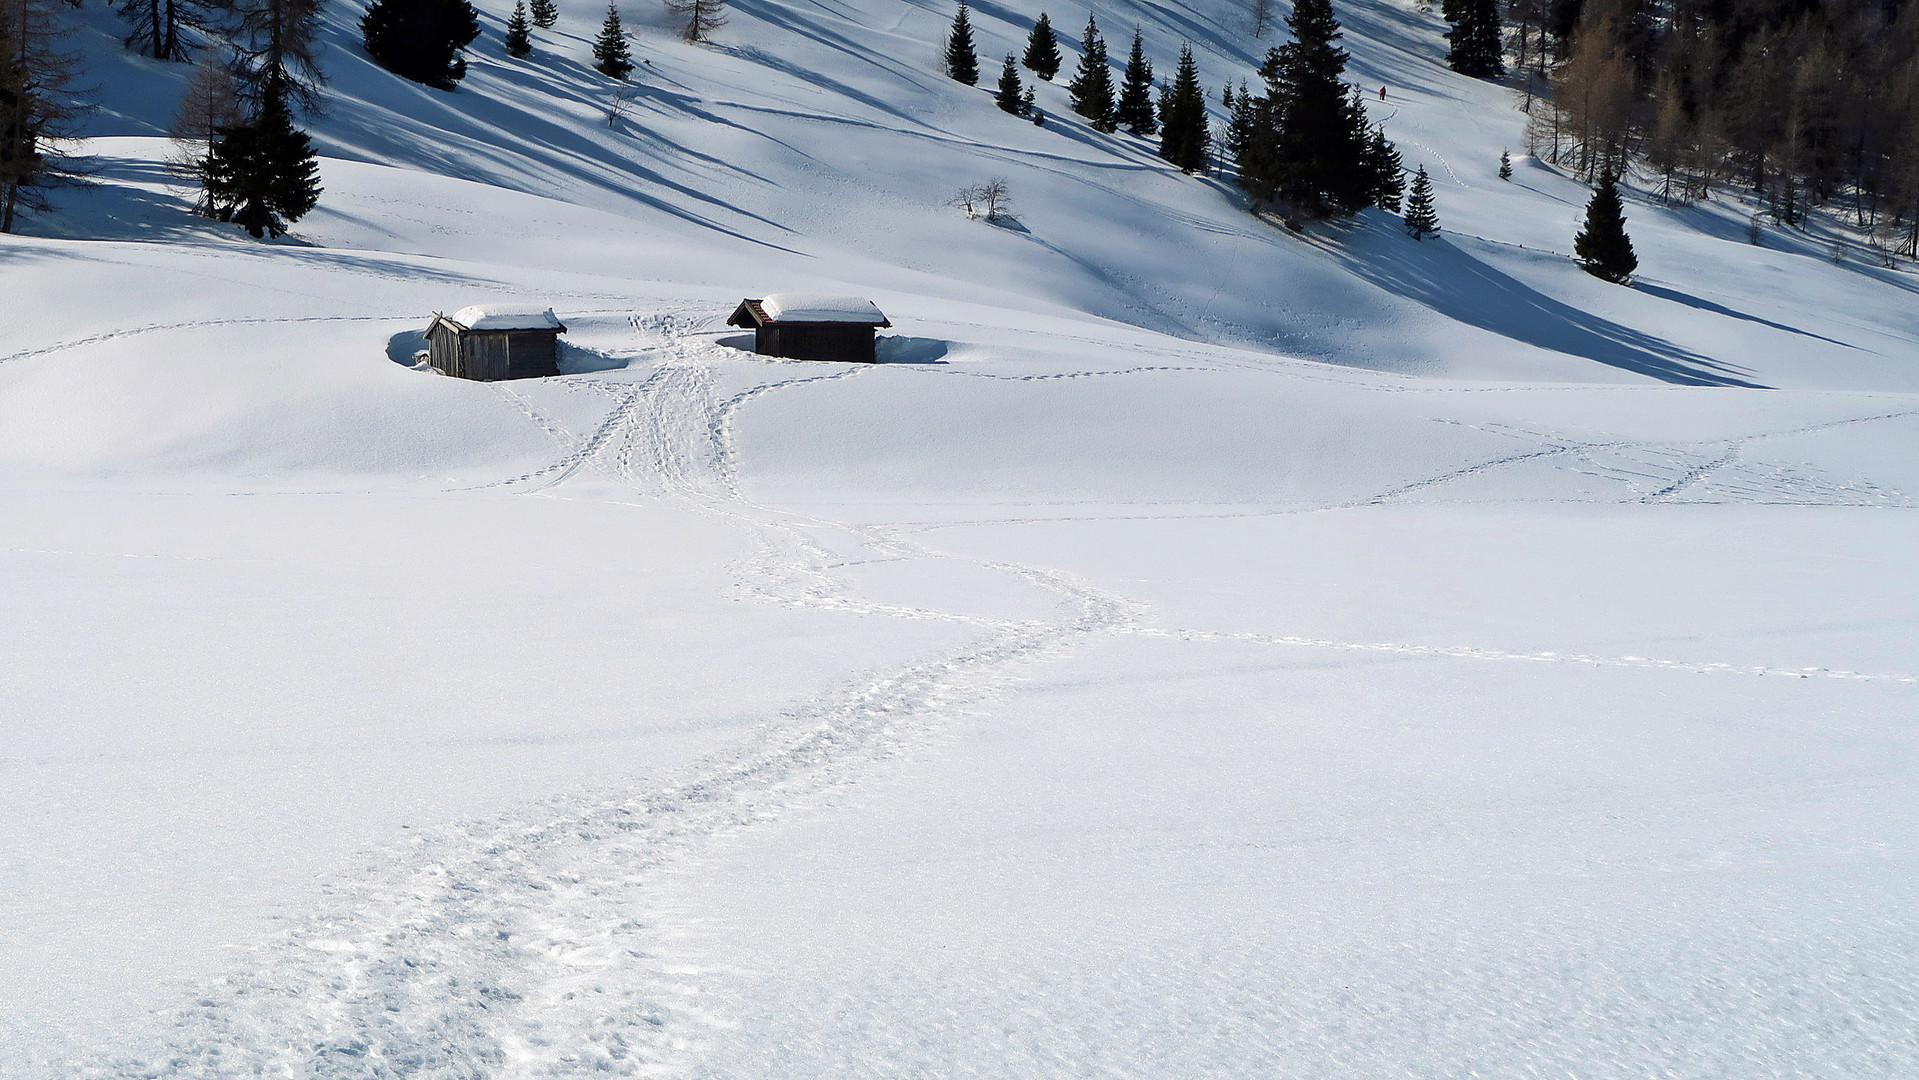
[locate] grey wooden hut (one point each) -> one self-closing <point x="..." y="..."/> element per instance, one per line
<point x="809" y="327"/>
<point x="490" y="342"/>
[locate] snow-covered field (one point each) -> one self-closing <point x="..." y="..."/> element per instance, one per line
<point x="1195" y="650"/>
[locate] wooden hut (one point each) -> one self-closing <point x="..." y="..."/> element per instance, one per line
<point x="490" y="342"/>
<point x="807" y="327"/>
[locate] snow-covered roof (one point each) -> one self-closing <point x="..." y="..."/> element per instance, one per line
<point x="506" y="317"/>
<point x="817" y="307"/>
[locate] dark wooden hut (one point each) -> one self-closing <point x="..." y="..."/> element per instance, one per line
<point x="806" y="327"/>
<point x="490" y="342"/>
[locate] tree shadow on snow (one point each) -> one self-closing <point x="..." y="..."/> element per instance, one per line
<point x="1689" y="300"/>
<point x="1462" y="288"/>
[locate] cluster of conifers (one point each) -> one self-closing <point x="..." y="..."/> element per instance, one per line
<point x="1303" y="148"/>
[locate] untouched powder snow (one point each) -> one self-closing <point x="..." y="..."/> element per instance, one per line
<point x="1193" y="650"/>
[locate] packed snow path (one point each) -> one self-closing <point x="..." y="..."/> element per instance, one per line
<point x="510" y="947"/>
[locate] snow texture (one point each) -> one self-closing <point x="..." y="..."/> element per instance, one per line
<point x="1194" y="650"/>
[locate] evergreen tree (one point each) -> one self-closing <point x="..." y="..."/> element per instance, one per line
<point x="1505" y="165"/>
<point x="1042" y="50"/>
<point x="1026" y="106"/>
<point x="610" y="54"/>
<point x="161" y="29"/>
<point x="1604" y="249"/>
<point x="422" y="40"/>
<point x="545" y="14"/>
<point x="1184" y="140"/>
<point x="1011" y="96"/>
<point x="1475" y="40"/>
<point x="517" y="43"/>
<point x="262" y="175"/>
<point x="962" y="63"/>
<point x="1382" y="160"/>
<point x="1307" y="146"/>
<point x="1136" y="112"/>
<point x="1239" y="123"/>
<point x="1092" y="85"/>
<point x="1421" y="221"/>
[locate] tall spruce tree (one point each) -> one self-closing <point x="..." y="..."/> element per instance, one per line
<point x="1389" y="183"/>
<point x="1135" y="111"/>
<point x="545" y="14"/>
<point x="1092" y="85"/>
<point x="962" y="62"/>
<point x="1307" y="147"/>
<point x="1042" y="50"/>
<point x="518" y="44"/>
<point x="1184" y="140"/>
<point x="1505" y="165"/>
<point x="262" y="175"/>
<point x="1421" y="218"/>
<point x="1475" y="41"/>
<point x="1604" y="249"/>
<point x="421" y="40"/>
<point x="1011" y="96"/>
<point x="611" y="57"/>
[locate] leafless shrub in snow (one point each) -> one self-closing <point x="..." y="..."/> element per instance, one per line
<point x="992" y="200"/>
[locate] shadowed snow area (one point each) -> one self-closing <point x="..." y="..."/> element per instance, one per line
<point x="1192" y="650"/>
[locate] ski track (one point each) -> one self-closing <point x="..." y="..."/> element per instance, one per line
<point x="518" y="946"/>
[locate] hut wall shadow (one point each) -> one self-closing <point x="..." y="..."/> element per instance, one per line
<point x="900" y="349"/>
<point x="1463" y="288"/>
<point x="404" y="346"/>
<point x="579" y="360"/>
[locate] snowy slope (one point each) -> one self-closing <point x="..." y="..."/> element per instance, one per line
<point x="1102" y="684"/>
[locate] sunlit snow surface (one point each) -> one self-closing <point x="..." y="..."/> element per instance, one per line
<point x="1092" y="687"/>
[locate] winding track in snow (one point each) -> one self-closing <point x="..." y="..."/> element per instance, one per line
<point x="512" y="947"/>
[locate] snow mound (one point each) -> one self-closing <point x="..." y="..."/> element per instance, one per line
<point x="818" y="307"/>
<point x="506" y="317"/>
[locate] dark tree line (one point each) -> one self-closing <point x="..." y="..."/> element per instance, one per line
<point x="1805" y="102"/>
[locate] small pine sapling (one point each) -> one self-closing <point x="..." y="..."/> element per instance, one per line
<point x="610" y="54"/>
<point x="1505" y="165"/>
<point x="1421" y="219"/>
<point x="545" y="14"/>
<point x="1042" y="50"/>
<point x="962" y="62"/>
<point x="517" y="42"/>
<point x="1604" y="249"/>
